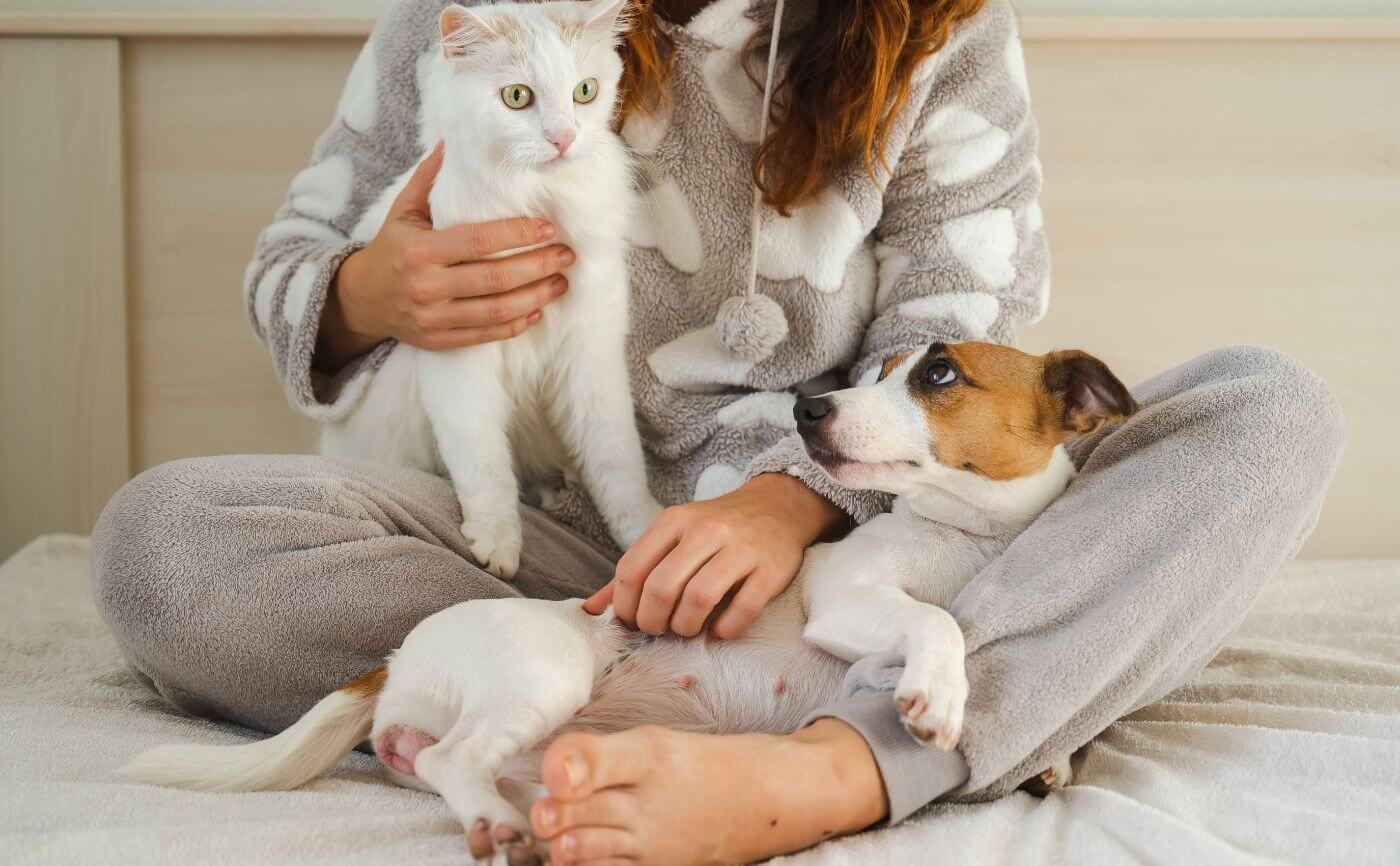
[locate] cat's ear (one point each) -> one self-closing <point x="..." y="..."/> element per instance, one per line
<point x="609" y="16"/>
<point x="462" y="31"/>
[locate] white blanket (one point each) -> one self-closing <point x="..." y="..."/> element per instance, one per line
<point x="1286" y="749"/>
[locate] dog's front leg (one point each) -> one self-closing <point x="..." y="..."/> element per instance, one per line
<point x="596" y="419"/>
<point x="469" y="408"/>
<point x="862" y="619"/>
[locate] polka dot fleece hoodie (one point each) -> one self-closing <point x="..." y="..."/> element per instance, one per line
<point x="947" y="247"/>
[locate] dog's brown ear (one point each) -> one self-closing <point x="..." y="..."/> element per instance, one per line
<point x="1088" y="392"/>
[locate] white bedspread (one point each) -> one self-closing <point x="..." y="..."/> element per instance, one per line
<point x="1286" y="749"/>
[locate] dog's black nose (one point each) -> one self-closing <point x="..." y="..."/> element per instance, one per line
<point x="809" y="411"/>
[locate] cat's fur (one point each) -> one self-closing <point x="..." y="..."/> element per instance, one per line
<point x="554" y="401"/>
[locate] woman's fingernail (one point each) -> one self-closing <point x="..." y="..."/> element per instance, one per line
<point x="558" y="285"/>
<point x="567" y="843"/>
<point x="566" y="257"/>
<point x="546" y="231"/>
<point x="534" y="317"/>
<point x="548" y="817"/>
<point x="575" y="769"/>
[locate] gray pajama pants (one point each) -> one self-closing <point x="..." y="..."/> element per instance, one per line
<point x="249" y="587"/>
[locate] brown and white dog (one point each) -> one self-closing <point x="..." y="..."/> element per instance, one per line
<point x="970" y="439"/>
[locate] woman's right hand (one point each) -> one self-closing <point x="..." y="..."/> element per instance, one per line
<point x="436" y="289"/>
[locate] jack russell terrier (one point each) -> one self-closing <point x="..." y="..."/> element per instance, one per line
<point x="970" y="439"/>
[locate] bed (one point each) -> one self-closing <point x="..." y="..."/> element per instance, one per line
<point x="1285" y="749"/>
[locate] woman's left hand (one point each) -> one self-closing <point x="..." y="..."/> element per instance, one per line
<point x="693" y="555"/>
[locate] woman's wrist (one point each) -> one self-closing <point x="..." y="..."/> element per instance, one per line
<point x="854" y="770"/>
<point x="338" y="342"/>
<point x="812" y="515"/>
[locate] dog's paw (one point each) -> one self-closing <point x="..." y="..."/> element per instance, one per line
<point x="505" y="841"/>
<point x="493" y="539"/>
<point x="931" y="706"/>
<point x="1052" y="779"/>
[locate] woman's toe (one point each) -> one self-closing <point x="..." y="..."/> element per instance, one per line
<point x="589" y="844"/>
<point x="576" y="765"/>
<point x="607" y="808"/>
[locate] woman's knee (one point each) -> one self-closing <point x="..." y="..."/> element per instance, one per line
<point x="1283" y="402"/>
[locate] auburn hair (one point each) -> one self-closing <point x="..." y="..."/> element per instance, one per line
<point x="848" y="77"/>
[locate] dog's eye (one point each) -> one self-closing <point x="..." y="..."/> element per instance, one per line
<point x="940" y="373"/>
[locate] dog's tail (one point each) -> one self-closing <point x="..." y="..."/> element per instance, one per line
<point x="319" y="739"/>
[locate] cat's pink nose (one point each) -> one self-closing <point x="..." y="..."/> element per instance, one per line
<point x="561" y="139"/>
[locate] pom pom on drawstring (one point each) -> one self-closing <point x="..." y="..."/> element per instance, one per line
<point x="751" y="326"/>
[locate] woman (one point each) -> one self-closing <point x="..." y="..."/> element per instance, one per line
<point x="898" y="184"/>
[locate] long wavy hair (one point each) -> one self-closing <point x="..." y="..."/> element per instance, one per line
<point x="848" y="78"/>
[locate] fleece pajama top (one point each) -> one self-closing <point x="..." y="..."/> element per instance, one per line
<point x="249" y="587"/>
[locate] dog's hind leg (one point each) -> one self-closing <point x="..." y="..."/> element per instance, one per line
<point x="463" y="769"/>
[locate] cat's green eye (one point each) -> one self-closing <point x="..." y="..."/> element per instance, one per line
<point x="517" y="96"/>
<point x="585" y="91"/>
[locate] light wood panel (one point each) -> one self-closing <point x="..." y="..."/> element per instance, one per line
<point x="1199" y="195"/>
<point x="217" y="129"/>
<point x="63" y="398"/>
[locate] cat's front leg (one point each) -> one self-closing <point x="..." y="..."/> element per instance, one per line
<point x="596" y="419"/>
<point x="469" y="407"/>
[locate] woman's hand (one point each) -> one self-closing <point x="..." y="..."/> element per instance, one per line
<point x="693" y="555"/>
<point x="435" y="289"/>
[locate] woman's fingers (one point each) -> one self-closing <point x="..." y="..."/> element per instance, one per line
<point x="706" y="589"/>
<point x="636" y="564"/>
<point x="599" y="601"/>
<point x="668" y="579"/>
<point x="460" y="338"/>
<point x="492" y="309"/>
<point x="759" y="588"/>
<point x="467" y="243"/>
<point x="492" y="276"/>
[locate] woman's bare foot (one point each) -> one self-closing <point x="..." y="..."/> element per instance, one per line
<point x="654" y="796"/>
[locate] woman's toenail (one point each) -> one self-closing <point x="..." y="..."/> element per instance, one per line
<point x="548" y="817"/>
<point x="567" y="843"/>
<point x="575" y="769"/>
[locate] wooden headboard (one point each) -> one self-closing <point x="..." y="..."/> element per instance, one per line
<point x="1207" y="183"/>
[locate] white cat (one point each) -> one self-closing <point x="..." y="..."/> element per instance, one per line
<point x="522" y="96"/>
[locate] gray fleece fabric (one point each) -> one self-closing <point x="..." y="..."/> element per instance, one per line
<point x="249" y="587"/>
<point x="947" y="247"/>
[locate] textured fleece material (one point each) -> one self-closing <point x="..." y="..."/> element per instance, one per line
<point x="249" y="587"/>
<point x="946" y="247"/>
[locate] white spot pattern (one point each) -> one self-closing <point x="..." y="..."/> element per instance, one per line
<point x="735" y="96"/>
<point x="985" y="242"/>
<point x="323" y="190"/>
<point x="298" y="292"/>
<point x="299" y="227"/>
<point x="766" y="408"/>
<point x="975" y="311"/>
<point x="266" y="294"/>
<point x="717" y="480"/>
<point x="962" y="145"/>
<point x="815" y="243"/>
<point x="664" y="222"/>
<point x="891" y="263"/>
<point x="699" y="362"/>
<point x="359" y="102"/>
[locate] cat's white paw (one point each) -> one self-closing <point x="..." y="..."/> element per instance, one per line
<point x="931" y="701"/>
<point x="494" y="540"/>
<point x="637" y="517"/>
<point x="500" y="836"/>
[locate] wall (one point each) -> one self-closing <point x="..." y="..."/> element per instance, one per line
<point x="1205" y="186"/>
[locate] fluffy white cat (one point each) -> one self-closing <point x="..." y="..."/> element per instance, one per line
<point x="522" y="96"/>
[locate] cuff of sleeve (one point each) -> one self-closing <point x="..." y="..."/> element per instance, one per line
<point x="787" y="456"/>
<point x="325" y="397"/>
<point x="915" y="773"/>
